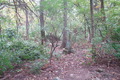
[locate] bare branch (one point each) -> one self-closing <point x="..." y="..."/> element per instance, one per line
<point x="2" y="7"/>
<point x="8" y="4"/>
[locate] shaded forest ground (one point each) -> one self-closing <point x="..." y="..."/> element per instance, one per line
<point x="74" y="66"/>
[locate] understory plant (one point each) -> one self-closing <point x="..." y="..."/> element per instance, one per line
<point x="18" y="51"/>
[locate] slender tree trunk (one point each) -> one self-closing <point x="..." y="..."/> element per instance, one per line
<point x="27" y="25"/>
<point x="102" y="7"/>
<point x="89" y="32"/>
<point x="103" y="10"/>
<point x="64" y="41"/>
<point x="89" y="35"/>
<point x="85" y="30"/>
<point x="42" y="22"/>
<point x="93" y="29"/>
<point x="103" y="13"/>
<point x="92" y="18"/>
<point x="0" y="28"/>
<point x="16" y="15"/>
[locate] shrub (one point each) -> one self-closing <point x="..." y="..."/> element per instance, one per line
<point x="116" y="41"/>
<point x="117" y="49"/>
<point x="17" y="51"/>
<point x="10" y="33"/>
<point x="36" y="67"/>
<point x="4" y="62"/>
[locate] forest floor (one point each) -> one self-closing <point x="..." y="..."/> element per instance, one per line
<point x="74" y="66"/>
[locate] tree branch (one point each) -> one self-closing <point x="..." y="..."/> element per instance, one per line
<point x="2" y="7"/>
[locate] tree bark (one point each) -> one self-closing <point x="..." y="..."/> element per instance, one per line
<point x="64" y="41"/>
<point x="102" y="7"/>
<point x="0" y="28"/>
<point x="93" y="29"/>
<point x="89" y="35"/>
<point x="42" y="22"/>
<point x="85" y="30"/>
<point x="16" y="15"/>
<point x="103" y="13"/>
<point x="103" y="10"/>
<point x="96" y="4"/>
<point x="89" y="32"/>
<point x="27" y="25"/>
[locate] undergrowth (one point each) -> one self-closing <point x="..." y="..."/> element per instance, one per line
<point x="17" y="51"/>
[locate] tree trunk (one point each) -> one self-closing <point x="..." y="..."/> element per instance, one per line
<point x="93" y="29"/>
<point x="102" y="7"/>
<point x="42" y="22"/>
<point x="89" y="35"/>
<point x="64" y="41"/>
<point x="89" y="32"/>
<point x="27" y="25"/>
<point x="103" y="13"/>
<point x="0" y="28"/>
<point x="16" y="15"/>
<point x="85" y="30"/>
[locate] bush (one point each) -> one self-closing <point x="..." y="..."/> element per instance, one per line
<point x="116" y="41"/>
<point x="26" y="50"/>
<point x="36" y="67"/>
<point x="117" y="49"/>
<point x="10" y="33"/>
<point x="17" y="51"/>
<point x="4" y="62"/>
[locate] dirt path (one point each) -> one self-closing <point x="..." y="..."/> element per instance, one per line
<point x="68" y="67"/>
<point x="73" y="67"/>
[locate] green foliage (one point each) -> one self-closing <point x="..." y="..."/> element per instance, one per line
<point x="117" y="49"/>
<point x="4" y="61"/>
<point x="27" y="50"/>
<point x="36" y="67"/>
<point x="4" y="58"/>
<point x="97" y="40"/>
<point x="10" y="33"/>
<point x="17" y="51"/>
<point x="115" y="35"/>
<point x="110" y="48"/>
<point x="3" y="1"/>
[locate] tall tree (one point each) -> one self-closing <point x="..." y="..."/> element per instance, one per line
<point x="103" y="13"/>
<point x="64" y="41"/>
<point x="89" y="30"/>
<point x="42" y="22"/>
<point x="93" y="28"/>
<point x="0" y="28"/>
<point x="102" y="8"/>
<point x="16" y="14"/>
<point x="27" y="25"/>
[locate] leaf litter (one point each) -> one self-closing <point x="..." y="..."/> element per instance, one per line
<point x="74" y="66"/>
